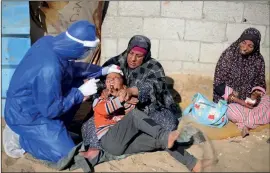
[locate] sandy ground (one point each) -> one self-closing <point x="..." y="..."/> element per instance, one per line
<point x="250" y="154"/>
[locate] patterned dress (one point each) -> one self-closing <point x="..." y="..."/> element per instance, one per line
<point x="239" y="72"/>
<point x="245" y="117"/>
<point x="242" y="73"/>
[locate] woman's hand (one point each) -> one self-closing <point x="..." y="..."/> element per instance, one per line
<point x="131" y="92"/>
<point x="243" y="103"/>
<point x="125" y="96"/>
<point x="122" y="94"/>
<point x="133" y="101"/>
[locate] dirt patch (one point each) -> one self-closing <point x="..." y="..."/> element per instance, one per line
<point x="250" y="154"/>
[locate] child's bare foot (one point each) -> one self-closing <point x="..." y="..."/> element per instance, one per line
<point x="244" y="132"/>
<point x="173" y="135"/>
<point x="201" y="164"/>
<point x="90" y="153"/>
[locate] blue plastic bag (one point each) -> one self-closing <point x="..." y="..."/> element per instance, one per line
<point x="207" y="112"/>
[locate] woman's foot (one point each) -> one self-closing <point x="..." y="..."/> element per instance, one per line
<point x="202" y="164"/>
<point x="244" y="132"/>
<point x="173" y="135"/>
<point x="90" y="153"/>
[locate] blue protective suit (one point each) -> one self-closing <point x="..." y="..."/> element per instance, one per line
<point x="41" y="96"/>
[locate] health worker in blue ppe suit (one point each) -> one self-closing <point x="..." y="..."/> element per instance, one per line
<point x="41" y="95"/>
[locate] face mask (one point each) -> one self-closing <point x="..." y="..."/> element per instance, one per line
<point x="86" y="54"/>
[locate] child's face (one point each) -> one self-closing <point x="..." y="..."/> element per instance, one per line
<point x="256" y="94"/>
<point x="114" y="82"/>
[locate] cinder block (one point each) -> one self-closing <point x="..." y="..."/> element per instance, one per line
<point x="205" y="31"/>
<point x="139" y="8"/>
<point x="266" y="42"/>
<point x="154" y="48"/>
<point x="179" y="50"/>
<point x="211" y="52"/>
<point x="198" y="68"/>
<point x="182" y="9"/>
<point x="223" y="11"/>
<point x="123" y="44"/>
<point x="257" y="13"/>
<point x="258" y="2"/>
<point x="112" y="9"/>
<point x="267" y="76"/>
<point x="234" y="31"/>
<point x="266" y="55"/>
<point x="115" y="27"/>
<point x="108" y="47"/>
<point x="171" y="66"/>
<point x="163" y="28"/>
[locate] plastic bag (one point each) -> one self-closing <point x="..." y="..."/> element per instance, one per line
<point x="207" y="112"/>
<point x="11" y="143"/>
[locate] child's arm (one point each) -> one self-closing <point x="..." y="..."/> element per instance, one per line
<point x="230" y="95"/>
<point x="235" y="99"/>
<point x="106" y="107"/>
<point x="255" y="98"/>
<point x="128" y="107"/>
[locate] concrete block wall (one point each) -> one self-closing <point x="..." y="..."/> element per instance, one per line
<point x="187" y="36"/>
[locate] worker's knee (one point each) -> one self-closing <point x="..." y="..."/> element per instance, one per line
<point x="48" y="149"/>
<point x="61" y="149"/>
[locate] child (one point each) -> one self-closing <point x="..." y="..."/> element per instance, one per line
<point x="255" y="97"/>
<point x="250" y="113"/>
<point x="111" y="108"/>
<point x="122" y="129"/>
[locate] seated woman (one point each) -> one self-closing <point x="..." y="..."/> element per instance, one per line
<point x="145" y="78"/>
<point x="240" y="79"/>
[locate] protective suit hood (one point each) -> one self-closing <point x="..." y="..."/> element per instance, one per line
<point x="74" y="43"/>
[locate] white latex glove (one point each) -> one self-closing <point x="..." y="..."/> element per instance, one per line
<point x="89" y="87"/>
<point x="110" y="69"/>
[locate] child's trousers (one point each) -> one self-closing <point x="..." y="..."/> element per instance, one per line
<point x="135" y="133"/>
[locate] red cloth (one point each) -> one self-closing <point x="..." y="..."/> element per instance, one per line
<point x="139" y="49"/>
